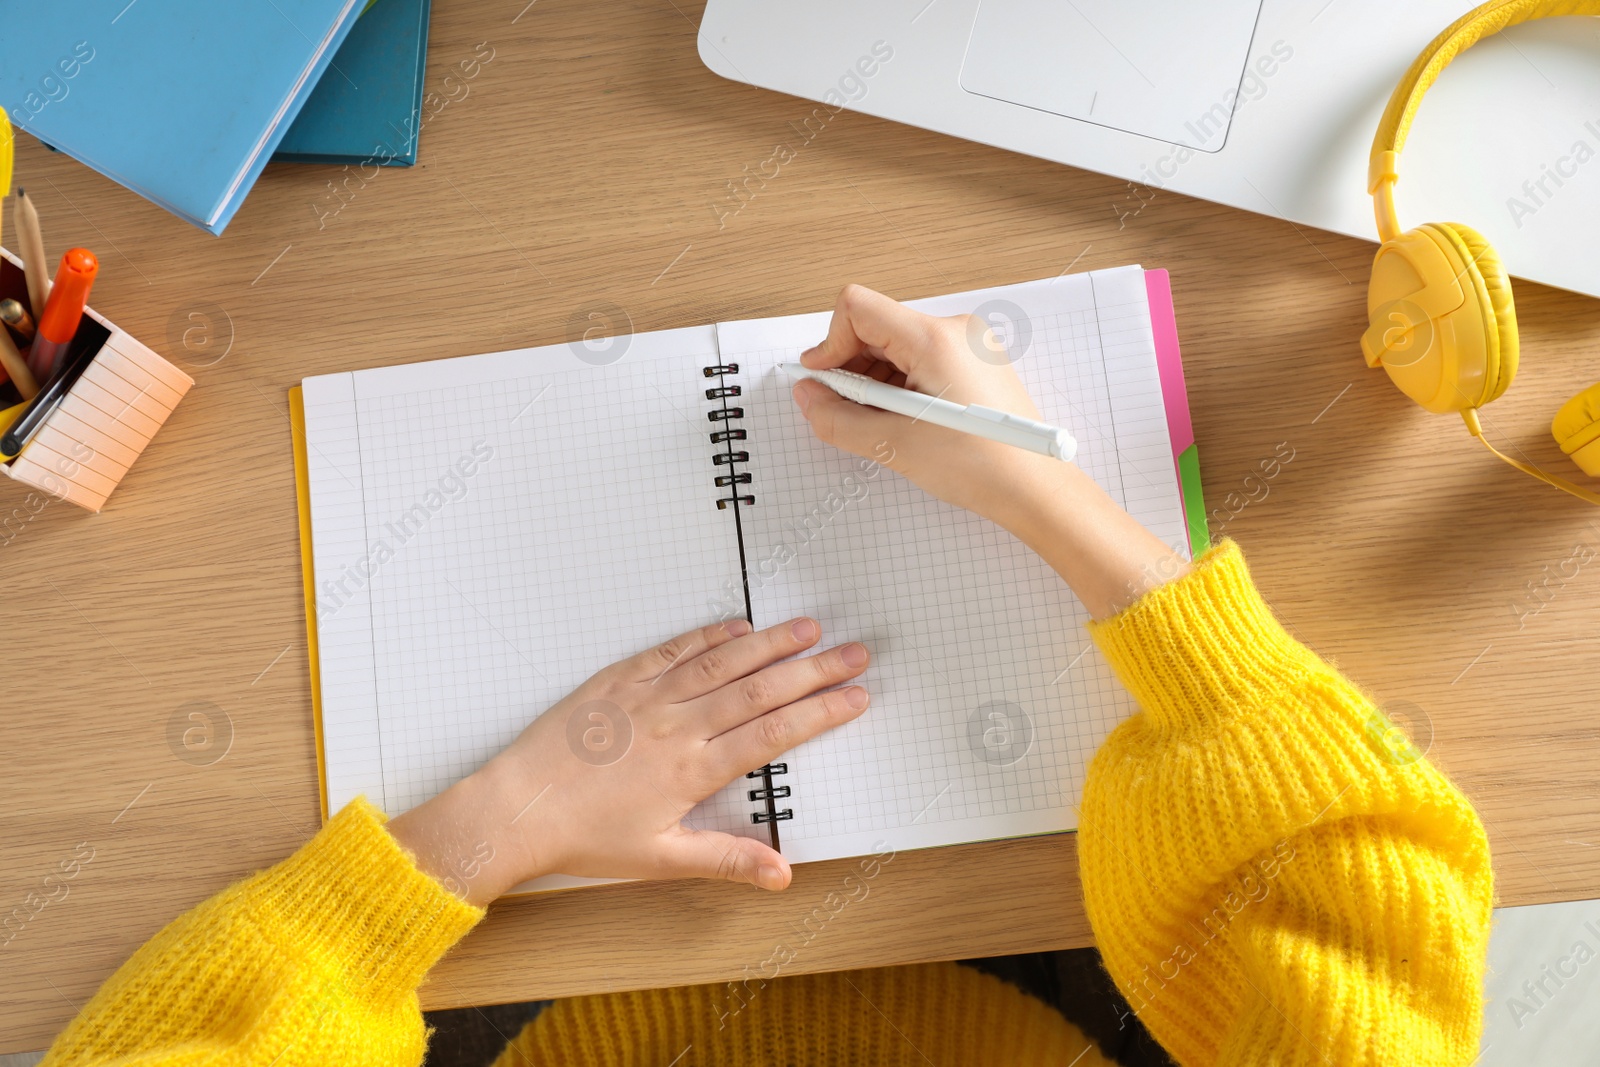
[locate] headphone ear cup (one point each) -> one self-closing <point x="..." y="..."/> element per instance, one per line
<point x="1576" y="429"/>
<point x="1486" y="276"/>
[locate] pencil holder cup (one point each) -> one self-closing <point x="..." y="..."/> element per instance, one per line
<point x="109" y="413"/>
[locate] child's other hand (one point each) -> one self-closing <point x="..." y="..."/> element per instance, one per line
<point x="956" y="359"/>
<point x="597" y="786"/>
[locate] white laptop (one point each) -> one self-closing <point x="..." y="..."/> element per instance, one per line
<point x="1266" y="105"/>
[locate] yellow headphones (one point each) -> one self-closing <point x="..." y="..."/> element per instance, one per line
<point x="1443" y="324"/>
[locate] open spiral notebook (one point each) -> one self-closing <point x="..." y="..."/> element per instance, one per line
<point x="481" y="534"/>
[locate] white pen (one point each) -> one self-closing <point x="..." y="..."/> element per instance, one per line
<point x="975" y="419"/>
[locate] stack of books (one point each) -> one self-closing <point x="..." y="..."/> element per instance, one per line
<point x="185" y="101"/>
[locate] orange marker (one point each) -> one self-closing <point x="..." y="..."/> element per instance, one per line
<point x="63" y="311"/>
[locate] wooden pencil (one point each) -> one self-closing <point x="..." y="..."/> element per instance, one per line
<point x="14" y="315"/>
<point x="16" y="366"/>
<point x="34" y="263"/>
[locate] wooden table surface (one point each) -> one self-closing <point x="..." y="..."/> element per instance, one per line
<point x="586" y="163"/>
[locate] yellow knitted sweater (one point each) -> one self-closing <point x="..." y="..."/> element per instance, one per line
<point x="1274" y="876"/>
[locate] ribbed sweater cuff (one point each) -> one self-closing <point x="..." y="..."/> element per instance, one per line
<point x="355" y="895"/>
<point x="1202" y="645"/>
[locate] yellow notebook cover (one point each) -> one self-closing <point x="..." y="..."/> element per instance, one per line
<point x="302" y="494"/>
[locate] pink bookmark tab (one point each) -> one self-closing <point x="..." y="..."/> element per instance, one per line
<point x="1164" y="324"/>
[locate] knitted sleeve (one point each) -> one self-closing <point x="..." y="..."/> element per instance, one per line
<point x="313" y="961"/>
<point x="1270" y="876"/>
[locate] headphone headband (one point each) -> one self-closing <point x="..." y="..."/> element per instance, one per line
<point x="1462" y="34"/>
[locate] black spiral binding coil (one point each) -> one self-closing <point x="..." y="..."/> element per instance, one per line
<point x="770" y="793"/>
<point x="726" y="433"/>
<point x="729" y="476"/>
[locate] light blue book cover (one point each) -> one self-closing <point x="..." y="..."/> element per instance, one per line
<point x="372" y="113"/>
<point x="182" y="101"/>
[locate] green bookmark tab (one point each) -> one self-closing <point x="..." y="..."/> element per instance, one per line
<point x="1194" y="505"/>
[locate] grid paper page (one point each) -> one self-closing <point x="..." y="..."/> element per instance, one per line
<point x="488" y="532"/>
<point x="988" y="696"/>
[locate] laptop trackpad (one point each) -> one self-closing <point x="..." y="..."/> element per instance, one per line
<point x="1166" y="69"/>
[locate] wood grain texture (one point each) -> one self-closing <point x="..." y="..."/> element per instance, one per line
<point x="585" y="164"/>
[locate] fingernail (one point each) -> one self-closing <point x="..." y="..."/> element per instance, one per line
<point x="736" y="627"/>
<point x="802" y="396"/>
<point x="854" y="655"/>
<point x="804" y="629"/>
<point x="856" y="697"/>
<point x="769" y="878"/>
